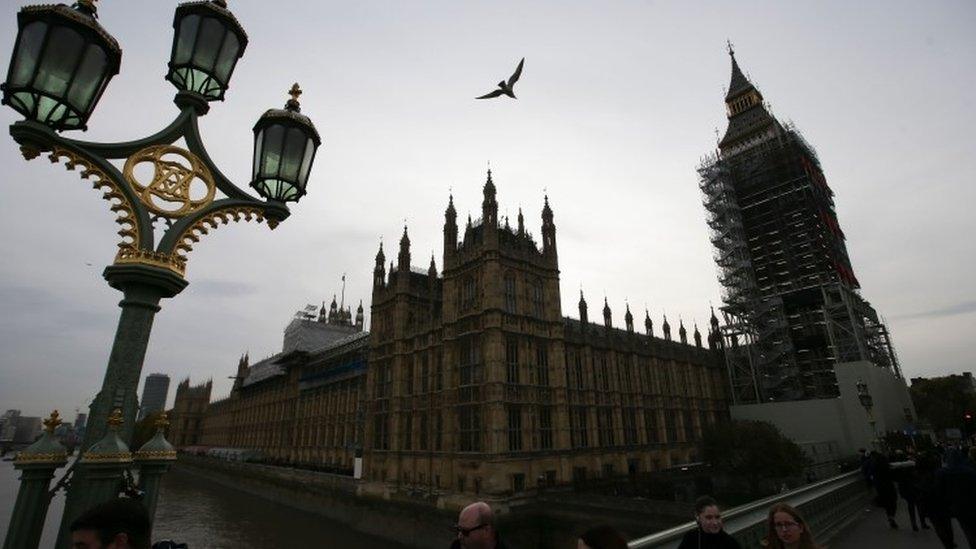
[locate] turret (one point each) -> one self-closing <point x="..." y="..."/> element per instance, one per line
<point x="648" y="324"/>
<point x="629" y="319"/>
<point x="607" y="321"/>
<point x="584" y="318"/>
<point x="521" y="223"/>
<point x="379" y="271"/>
<point x="666" y="328"/>
<point x="359" y="317"/>
<point x="714" y="335"/>
<point x="697" y="337"/>
<point x="450" y="230"/>
<point x="333" y="311"/>
<point x="432" y="270"/>
<point x="682" y="333"/>
<point x="548" y="232"/>
<point x="403" y="259"/>
<point x="322" y="316"/>
<point x="489" y="206"/>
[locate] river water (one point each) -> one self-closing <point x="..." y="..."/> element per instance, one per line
<point x="204" y="514"/>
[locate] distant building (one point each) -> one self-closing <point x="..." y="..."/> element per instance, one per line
<point x="80" y="420"/>
<point x="8" y="425"/>
<point x="28" y="429"/>
<point x="154" y="392"/>
<point x="188" y="411"/>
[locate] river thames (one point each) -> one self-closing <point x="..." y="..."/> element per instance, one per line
<point x="204" y="514"/>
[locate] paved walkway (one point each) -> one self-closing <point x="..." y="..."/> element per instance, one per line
<point x="871" y="530"/>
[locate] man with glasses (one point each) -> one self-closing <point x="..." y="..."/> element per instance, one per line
<point x="476" y="528"/>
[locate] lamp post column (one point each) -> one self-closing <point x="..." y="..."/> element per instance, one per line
<point x="142" y="287"/>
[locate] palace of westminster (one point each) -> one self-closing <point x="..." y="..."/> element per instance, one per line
<point x="472" y="380"/>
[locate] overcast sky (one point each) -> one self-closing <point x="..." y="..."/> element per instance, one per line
<point x="617" y="104"/>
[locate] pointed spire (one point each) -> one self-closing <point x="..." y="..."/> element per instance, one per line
<point x="432" y="270"/>
<point x="666" y="328"/>
<point x="450" y="213"/>
<point x="521" y="223"/>
<point x="546" y="211"/>
<point x="648" y="323"/>
<point x="682" y="333"/>
<point x="584" y="317"/>
<point x="380" y="256"/>
<point x="738" y="83"/>
<point x="713" y="320"/>
<point x="334" y="305"/>
<point x="697" y="336"/>
<point x="629" y="319"/>
<point x="403" y="260"/>
<point x="607" y="321"/>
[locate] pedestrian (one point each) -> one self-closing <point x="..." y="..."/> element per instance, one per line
<point x="930" y="503"/>
<point x="121" y="523"/>
<point x="786" y="529"/>
<point x="476" y="528"/>
<point x="601" y="537"/>
<point x="709" y="533"/>
<point x="864" y="462"/>
<point x="884" y="486"/>
<point x="955" y="484"/>
<point x="907" y="480"/>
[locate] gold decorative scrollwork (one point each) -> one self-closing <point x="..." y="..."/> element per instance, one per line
<point x="223" y="216"/>
<point x="170" y="193"/>
<point x="124" y="211"/>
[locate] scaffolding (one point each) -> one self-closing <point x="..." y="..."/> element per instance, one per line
<point x="791" y="307"/>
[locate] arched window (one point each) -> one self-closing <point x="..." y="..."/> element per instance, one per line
<point x="510" y="293"/>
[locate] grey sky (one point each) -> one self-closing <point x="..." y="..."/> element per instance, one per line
<point x="617" y="103"/>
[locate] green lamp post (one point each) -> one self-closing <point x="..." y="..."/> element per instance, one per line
<point x="62" y="61"/>
<point x="36" y="464"/>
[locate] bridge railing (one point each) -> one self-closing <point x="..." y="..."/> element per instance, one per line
<point x="827" y="506"/>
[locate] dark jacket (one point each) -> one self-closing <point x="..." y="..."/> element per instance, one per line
<point x="499" y="544"/>
<point x="698" y="539"/>
<point x="955" y="484"/>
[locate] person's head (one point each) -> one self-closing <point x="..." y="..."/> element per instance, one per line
<point x="601" y="537"/>
<point x="117" y="524"/>
<point x="787" y="529"/>
<point x="476" y="526"/>
<point x="707" y="515"/>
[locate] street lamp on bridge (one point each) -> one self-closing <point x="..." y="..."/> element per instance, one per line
<point x="867" y="401"/>
<point x="62" y="61"/>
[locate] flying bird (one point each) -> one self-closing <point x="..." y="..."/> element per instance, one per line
<point x="506" y="88"/>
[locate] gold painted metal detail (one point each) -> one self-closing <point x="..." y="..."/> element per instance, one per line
<point x="53" y="458"/>
<point x="162" y="421"/>
<point x="171" y="262"/>
<point x="124" y="211"/>
<point x="115" y="419"/>
<point x="51" y="423"/>
<point x="118" y="457"/>
<point x="172" y="192"/>
<point x="223" y="216"/>
<point x="168" y="455"/>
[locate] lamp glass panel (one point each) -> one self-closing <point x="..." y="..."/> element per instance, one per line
<point x="28" y="50"/>
<point x="208" y="44"/>
<point x="60" y="60"/>
<point x="88" y="78"/>
<point x="258" y="142"/>
<point x="306" y="162"/>
<point x="187" y="37"/>
<point x="227" y="57"/>
<point x="292" y="153"/>
<point x="274" y="137"/>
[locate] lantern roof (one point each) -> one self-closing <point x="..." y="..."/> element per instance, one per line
<point x="214" y="7"/>
<point x="84" y="15"/>
<point x="291" y="112"/>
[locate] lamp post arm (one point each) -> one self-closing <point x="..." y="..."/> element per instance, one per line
<point x="130" y="214"/>
<point x="179" y="238"/>
<point x="194" y="142"/>
<point x="124" y="149"/>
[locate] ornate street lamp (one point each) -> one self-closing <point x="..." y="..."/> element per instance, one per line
<point x="285" y="141"/>
<point x="61" y="63"/>
<point x="867" y="401"/>
<point x="60" y="66"/>
<point x="206" y="46"/>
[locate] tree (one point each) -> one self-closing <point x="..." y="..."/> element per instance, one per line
<point x="753" y="450"/>
<point x="944" y="401"/>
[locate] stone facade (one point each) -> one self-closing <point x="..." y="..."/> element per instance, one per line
<point x="189" y="409"/>
<point x="477" y="383"/>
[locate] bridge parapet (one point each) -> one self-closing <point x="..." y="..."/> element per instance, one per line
<point x="827" y="506"/>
